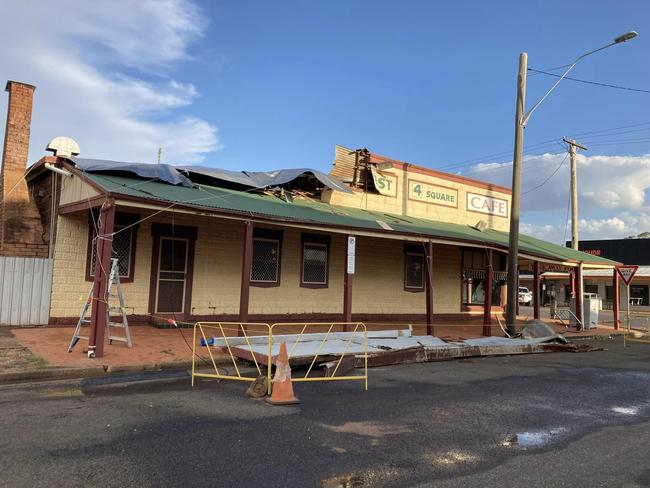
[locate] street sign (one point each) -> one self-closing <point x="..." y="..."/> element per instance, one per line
<point x="352" y="244"/>
<point x="626" y="273"/>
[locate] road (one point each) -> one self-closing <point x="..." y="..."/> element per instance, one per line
<point x="582" y="420"/>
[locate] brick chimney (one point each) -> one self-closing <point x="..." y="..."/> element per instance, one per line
<point x="21" y="230"/>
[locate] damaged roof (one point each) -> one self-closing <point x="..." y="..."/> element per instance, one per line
<point x="317" y="213"/>
<point x="182" y="175"/>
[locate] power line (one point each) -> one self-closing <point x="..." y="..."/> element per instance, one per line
<point x="549" y="177"/>
<point x="486" y="158"/>
<point x="612" y="129"/>
<point x="606" y="85"/>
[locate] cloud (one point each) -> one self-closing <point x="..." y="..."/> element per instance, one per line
<point x="604" y="182"/>
<point x="611" y="193"/>
<point x="616" y="227"/>
<point x="104" y="72"/>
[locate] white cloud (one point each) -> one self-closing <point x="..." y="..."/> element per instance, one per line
<point x="604" y="182"/>
<point x="104" y="75"/>
<point x="617" y="227"/>
<point x="611" y="194"/>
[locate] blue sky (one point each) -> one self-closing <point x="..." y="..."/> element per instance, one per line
<point x="262" y="85"/>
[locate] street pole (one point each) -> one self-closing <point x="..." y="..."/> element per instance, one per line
<point x="521" y="120"/>
<point x="574" y="190"/>
<point x="513" y="242"/>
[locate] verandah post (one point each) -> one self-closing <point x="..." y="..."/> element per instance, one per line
<point x="429" y="286"/>
<point x="536" y="314"/>
<point x="247" y="263"/>
<point x="487" y="304"/>
<point x="104" y="247"/>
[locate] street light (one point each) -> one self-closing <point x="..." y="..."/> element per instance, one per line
<point x="521" y="119"/>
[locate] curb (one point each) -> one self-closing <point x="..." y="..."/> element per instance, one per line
<point x="51" y="374"/>
<point x="54" y="374"/>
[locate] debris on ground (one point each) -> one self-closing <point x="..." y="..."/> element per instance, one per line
<point x="390" y="347"/>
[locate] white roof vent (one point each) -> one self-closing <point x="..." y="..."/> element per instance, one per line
<point x="63" y="147"/>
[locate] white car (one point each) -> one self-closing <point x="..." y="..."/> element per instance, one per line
<point x="525" y="296"/>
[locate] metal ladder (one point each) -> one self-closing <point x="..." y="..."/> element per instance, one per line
<point x="113" y="281"/>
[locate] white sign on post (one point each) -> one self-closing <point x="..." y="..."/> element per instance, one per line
<point x="352" y="244"/>
<point x="626" y="273"/>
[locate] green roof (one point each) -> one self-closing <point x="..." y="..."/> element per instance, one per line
<point x="323" y="214"/>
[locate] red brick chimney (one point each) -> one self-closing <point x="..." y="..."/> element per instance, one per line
<point x="21" y="230"/>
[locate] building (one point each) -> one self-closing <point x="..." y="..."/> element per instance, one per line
<point x="599" y="282"/>
<point x="375" y="240"/>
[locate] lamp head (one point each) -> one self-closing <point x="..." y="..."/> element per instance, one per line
<point x="625" y="37"/>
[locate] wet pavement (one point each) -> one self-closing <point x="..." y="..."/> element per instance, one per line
<point x="563" y="419"/>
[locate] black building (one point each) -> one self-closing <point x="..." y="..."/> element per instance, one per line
<point x="626" y="251"/>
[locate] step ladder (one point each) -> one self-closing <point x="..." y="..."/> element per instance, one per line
<point x="113" y="282"/>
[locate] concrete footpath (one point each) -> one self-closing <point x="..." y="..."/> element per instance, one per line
<point x="40" y="354"/>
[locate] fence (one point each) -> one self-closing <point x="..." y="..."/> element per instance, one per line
<point x="259" y="343"/>
<point x="25" y="288"/>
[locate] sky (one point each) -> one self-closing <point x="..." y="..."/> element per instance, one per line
<point x="263" y="85"/>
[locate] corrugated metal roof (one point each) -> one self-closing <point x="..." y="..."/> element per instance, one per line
<point x="322" y="214"/>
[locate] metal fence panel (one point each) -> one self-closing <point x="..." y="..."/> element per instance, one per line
<point x="25" y="288"/>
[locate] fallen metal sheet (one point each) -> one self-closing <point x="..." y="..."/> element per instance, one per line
<point x="303" y="352"/>
<point x="433" y="354"/>
<point x="504" y="341"/>
<point x="407" y="342"/>
<point x="318" y="336"/>
<point x="384" y="347"/>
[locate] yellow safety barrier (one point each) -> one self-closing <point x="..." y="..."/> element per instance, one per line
<point x="358" y="331"/>
<point x="232" y="334"/>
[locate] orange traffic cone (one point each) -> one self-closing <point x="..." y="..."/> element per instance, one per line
<point x="282" y="391"/>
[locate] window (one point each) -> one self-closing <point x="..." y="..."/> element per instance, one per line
<point x="265" y="268"/>
<point x="266" y="260"/>
<point x="124" y="243"/>
<point x="315" y="261"/>
<point x="414" y="268"/>
<point x="639" y="295"/>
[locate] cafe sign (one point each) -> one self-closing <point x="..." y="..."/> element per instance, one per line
<point x="487" y="205"/>
<point x="435" y="194"/>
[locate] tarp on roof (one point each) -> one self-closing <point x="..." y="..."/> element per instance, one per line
<point x="266" y="179"/>
<point x="163" y="172"/>
<point x="332" y="216"/>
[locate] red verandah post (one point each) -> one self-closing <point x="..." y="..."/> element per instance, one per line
<point x="616" y="298"/>
<point x="247" y="263"/>
<point x="429" y="286"/>
<point x="487" y="304"/>
<point x="104" y="246"/>
<point x="536" y="314"/>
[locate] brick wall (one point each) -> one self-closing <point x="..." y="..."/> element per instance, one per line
<point x="378" y="285"/>
<point x="21" y="229"/>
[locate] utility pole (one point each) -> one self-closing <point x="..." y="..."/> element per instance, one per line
<point x="574" y="190"/>
<point x="513" y="238"/>
<point x="521" y="120"/>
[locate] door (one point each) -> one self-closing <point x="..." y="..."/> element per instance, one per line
<point x="172" y="275"/>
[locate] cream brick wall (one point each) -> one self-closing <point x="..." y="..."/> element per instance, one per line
<point x="290" y="297"/>
<point x="401" y="205"/>
<point x="377" y="285"/>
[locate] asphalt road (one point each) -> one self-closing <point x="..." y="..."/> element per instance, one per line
<point x="582" y="419"/>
